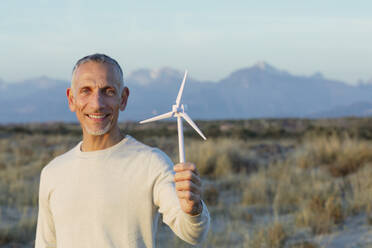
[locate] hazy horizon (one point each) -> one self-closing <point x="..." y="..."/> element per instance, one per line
<point x="128" y="73"/>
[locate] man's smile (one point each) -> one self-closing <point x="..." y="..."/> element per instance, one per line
<point x="97" y="117"/>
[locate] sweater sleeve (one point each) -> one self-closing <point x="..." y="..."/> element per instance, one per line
<point x="192" y="229"/>
<point x="45" y="230"/>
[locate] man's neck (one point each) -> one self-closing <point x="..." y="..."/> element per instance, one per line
<point x="100" y="142"/>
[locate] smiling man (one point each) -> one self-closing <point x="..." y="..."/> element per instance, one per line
<point x="109" y="190"/>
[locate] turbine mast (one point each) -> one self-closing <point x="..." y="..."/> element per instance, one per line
<point x="180" y="139"/>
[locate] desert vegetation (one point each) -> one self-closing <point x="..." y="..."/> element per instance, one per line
<point x="267" y="182"/>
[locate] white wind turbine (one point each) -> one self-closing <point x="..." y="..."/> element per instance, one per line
<point x="178" y="110"/>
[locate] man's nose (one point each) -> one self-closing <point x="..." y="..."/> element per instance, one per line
<point x="98" y="100"/>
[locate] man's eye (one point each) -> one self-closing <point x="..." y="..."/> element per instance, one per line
<point x="84" y="91"/>
<point x="110" y="92"/>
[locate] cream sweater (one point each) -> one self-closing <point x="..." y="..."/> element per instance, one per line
<point x="111" y="198"/>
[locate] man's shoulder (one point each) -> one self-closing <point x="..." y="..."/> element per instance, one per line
<point x="61" y="160"/>
<point x="133" y="145"/>
<point x="155" y="155"/>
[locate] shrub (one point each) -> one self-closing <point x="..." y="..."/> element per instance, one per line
<point x="340" y="155"/>
<point x="273" y="236"/>
<point x="321" y="214"/>
<point x="220" y="157"/>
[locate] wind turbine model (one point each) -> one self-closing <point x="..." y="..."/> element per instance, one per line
<point x="178" y="110"/>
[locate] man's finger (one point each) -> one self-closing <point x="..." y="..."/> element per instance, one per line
<point x="187" y="176"/>
<point x="185" y="166"/>
<point x="187" y="186"/>
<point x="187" y="195"/>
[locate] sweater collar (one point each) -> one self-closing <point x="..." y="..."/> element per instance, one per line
<point x="99" y="153"/>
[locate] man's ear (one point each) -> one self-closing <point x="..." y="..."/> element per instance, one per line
<point x="71" y="100"/>
<point x="124" y="98"/>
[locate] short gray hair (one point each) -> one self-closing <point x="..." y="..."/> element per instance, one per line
<point x="100" y="58"/>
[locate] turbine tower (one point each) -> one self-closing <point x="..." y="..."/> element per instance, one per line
<point x="178" y="110"/>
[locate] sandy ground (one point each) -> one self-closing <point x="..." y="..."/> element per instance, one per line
<point x="355" y="233"/>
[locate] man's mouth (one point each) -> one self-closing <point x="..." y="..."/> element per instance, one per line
<point x="97" y="117"/>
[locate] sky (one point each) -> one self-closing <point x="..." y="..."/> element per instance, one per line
<point x="209" y="38"/>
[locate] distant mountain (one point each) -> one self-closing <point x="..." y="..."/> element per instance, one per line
<point x="361" y="109"/>
<point x="265" y="91"/>
<point x="145" y="77"/>
<point x="35" y="100"/>
<point x="253" y="92"/>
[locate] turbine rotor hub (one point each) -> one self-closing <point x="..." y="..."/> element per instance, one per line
<point x="180" y="109"/>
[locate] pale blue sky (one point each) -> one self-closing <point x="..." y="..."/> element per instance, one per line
<point x="209" y="38"/>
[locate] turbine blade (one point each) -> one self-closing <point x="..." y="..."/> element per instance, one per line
<point x="159" y="117"/>
<point x="188" y="119"/>
<point x="178" y="100"/>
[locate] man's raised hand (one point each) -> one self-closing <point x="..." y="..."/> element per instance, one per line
<point x="188" y="188"/>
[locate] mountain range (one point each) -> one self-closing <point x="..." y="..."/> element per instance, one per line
<point x="259" y="91"/>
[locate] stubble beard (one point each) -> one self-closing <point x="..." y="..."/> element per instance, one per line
<point x="100" y="131"/>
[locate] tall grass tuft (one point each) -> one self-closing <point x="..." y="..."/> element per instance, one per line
<point x="321" y="214"/>
<point x="217" y="158"/>
<point x="273" y="236"/>
<point x="341" y="155"/>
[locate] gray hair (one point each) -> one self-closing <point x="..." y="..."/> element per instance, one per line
<point x="100" y="58"/>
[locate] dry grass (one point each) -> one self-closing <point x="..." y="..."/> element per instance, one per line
<point x="341" y="155"/>
<point x="273" y="236"/>
<point x="321" y="214"/>
<point x="303" y="244"/>
<point x="210" y="195"/>
<point x="360" y="186"/>
<point x="228" y="157"/>
<point x="315" y="181"/>
<point x="306" y="183"/>
<point x="23" y="157"/>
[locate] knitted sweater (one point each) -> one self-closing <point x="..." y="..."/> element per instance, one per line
<point x="111" y="198"/>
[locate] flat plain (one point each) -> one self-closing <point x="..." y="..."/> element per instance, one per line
<point x="267" y="182"/>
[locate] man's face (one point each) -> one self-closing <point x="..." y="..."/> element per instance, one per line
<point x="96" y="98"/>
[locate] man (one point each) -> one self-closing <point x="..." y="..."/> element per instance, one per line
<point x="109" y="190"/>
